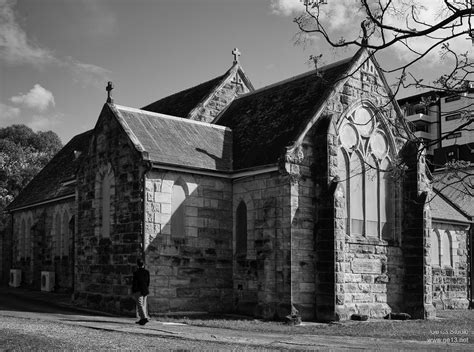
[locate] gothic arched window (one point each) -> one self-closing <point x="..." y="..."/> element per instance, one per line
<point x="178" y="197"/>
<point x="241" y="229"/>
<point x="356" y="195"/>
<point x="65" y="234"/>
<point x="57" y="235"/>
<point x="435" y="248"/>
<point x="21" y="240"/>
<point x="28" y="238"/>
<point x="106" y="191"/>
<point x="446" y="249"/>
<point x="368" y="189"/>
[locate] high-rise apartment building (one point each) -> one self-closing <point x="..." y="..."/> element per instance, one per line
<point x="444" y="123"/>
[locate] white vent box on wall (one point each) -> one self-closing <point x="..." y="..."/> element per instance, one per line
<point x="47" y="281"/>
<point x="15" y="278"/>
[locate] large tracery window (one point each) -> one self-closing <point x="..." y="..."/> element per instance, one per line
<point x="365" y="174"/>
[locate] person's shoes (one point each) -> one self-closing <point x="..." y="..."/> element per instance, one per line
<point x="143" y="321"/>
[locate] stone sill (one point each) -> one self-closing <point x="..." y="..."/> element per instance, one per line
<point x="372" y="241"/>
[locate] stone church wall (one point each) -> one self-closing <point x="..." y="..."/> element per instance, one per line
<point x="335" y="275"/>
<point x="105" y="260"/>
<point x="40" y="252"/>
<point x="450" y="268"/>
<point x="262" y="276"/>
<point x="191" y="271"/>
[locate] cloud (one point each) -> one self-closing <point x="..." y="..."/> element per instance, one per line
<point x="88" y="74"/>
<point x="37" y="98"/>
<point x="286" y="7"/>
<point x="17" y="49"/>
<point x="342" y="18"/>
<point x="44" y="123"/>
<point x="8" y="113"/>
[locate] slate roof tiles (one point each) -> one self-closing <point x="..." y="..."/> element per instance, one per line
<point x="176" y="141"/>
<point x="266" y="121"/>
<point x="51" y="181"/>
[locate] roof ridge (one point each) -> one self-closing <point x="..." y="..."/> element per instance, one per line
<point x="181" y="119"/>
<point x="451" y="203"/>
<point x="296" y="77"/>
<point x="187" y="89"/>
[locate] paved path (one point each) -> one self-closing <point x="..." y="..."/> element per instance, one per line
<point x="56" y="307"/>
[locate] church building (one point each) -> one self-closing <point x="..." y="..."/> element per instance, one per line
<point x="307" y="196"/>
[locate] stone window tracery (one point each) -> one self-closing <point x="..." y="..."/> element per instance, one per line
<point x="364" y="165"/>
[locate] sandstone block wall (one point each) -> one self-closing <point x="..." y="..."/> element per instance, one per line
<point x="105" y="262"/>
<point x="262" y="275"/>
<point x="222" y="97"/>
<point x="350" y="275"/>
<point x="191" y="272"/>
<point x="450" y="282"/>
<point x="42" y="256"/>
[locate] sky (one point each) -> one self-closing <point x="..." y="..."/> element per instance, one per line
<point x="56" y="56"/>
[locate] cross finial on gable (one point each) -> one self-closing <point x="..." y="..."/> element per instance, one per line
<point x="109" y="88"/>
<point x="236" y="54"/>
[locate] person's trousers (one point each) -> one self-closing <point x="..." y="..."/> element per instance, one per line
<point x="141" y="304"/>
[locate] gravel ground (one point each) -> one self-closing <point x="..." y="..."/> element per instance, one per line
<point x="19" y="334"/>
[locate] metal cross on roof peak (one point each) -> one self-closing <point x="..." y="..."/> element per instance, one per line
<point x="236" y="54"/>
<point x="109" y="88"/>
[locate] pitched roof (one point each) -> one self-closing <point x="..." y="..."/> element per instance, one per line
<point x="175" y="141"/>
<point x="441" y="208"/>
<point x="182" y="103"/>
<point x="267" y="120"/>
<point x="458" y="187"/>
<point x="48" y="183"/>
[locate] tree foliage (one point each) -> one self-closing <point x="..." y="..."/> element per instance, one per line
<point x="23" y="153"/>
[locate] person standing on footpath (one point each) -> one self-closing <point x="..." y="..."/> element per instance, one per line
<point x="140" y="284"/>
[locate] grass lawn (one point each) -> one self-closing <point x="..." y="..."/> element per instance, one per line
<point x="455" y="325"/>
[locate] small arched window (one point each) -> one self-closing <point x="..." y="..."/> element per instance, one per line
<point x="343" y="179"/>
<point x="106" y="191"/>
<point x="21" y="239"/>
<point x="435" y="249"/>
<point x="65" y="235"/>
<point x="372" y="197"/>
<point x="57" y="235"/>
<point x="356" y="186"/>
<point x="446" y="249"/>
<point x="386" y="200"/>
<point x="241" y="229"/>
<point x="178" y="197"/>
<point x="28" y="238"/>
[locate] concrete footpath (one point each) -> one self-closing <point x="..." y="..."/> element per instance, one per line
<point x="107" y="322"/>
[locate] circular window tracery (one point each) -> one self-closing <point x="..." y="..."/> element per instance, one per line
<point x="349" y="136"/>
<point x="379" y="145"/>
<point x="364" y="121"/>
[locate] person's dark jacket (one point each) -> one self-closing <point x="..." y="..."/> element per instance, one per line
<point x="141" y="281"/>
